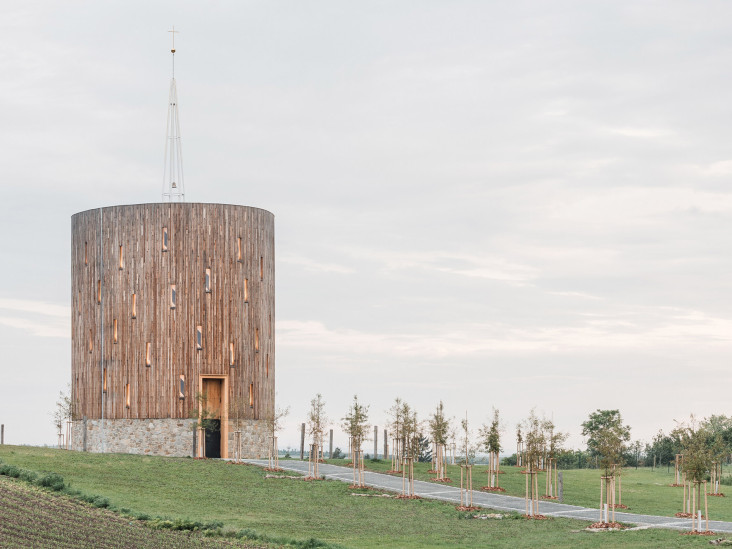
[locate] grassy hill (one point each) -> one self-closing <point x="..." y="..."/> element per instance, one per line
<point x="241" y="497"/>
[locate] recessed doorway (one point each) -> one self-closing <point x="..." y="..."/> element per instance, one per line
<point x="214" y="399"/>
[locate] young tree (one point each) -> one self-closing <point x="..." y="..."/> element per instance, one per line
<point x="204" y="420"/>
<point x="466" y="443"/>
<point x="396" y="426"/>
<point x="697" y="454"/>
<point x="439" y="425"/>
<point x="697" y="461"/>
<point x="356" y="423"/>
<point x="535" y="442"/>
<point x="412" y="431"/>
<point x="238" y="407"/>
<point x="606" y="437"/>
<point x="317" y="420"/>
<point x="274" y="421"/>
<point x="491" y="439"/>
<point x="66" y="410"/>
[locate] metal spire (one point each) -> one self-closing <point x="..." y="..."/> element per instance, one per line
<point x="173" y="187"/>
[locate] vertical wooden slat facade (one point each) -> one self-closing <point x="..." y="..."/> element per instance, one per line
<point x="200" y="236"/>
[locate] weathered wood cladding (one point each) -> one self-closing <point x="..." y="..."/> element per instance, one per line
<point x="200" y="237"/>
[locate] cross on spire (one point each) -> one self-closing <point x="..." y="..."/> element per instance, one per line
<point x="173" y="187"/>
<point x="174" y="33"/>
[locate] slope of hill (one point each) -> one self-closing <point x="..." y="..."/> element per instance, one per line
<point x="32" y="517"/>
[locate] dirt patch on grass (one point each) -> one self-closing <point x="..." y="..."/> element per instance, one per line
<point x="606" y="526"/>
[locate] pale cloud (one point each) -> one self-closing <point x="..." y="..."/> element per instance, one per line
<point x="641" y="133"/>
<point x="313" y="265"/>
<point x="652" y="329"/>
<point x="38" y="328"/>
<point x="472" y="265"/>
<point x="37" y="307"/>
<point x="580" y="295"/>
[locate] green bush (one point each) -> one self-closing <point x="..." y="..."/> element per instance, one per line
<point x="28" y="476"/>
<point x="184" y="524"/>
<point x="54" y="481"/>
<point x="10" y="471"/>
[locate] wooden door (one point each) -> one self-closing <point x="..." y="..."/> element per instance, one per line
<point x="213" y="394"/>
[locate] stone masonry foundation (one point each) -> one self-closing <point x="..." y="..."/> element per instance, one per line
<point x="159" y="437"/>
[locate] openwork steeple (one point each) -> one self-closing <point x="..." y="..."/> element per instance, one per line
<point x="173" y="185"/>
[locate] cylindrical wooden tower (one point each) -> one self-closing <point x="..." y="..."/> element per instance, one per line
<point x="172" y="319"/>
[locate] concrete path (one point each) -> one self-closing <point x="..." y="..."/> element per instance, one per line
<point x="493" y="501"/>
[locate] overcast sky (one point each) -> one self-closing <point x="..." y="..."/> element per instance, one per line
<point x="496" y="204"/>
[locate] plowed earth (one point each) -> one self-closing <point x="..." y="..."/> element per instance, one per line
<point x="32" y="517"/>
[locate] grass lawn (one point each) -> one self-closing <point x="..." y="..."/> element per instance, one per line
<point x="241" y="497"/>
<point x="645" y="491"/>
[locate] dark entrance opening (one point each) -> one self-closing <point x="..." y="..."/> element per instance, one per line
<point x="213" y="438"/>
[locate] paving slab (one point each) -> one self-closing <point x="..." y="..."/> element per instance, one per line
<point x="498" y="502"/>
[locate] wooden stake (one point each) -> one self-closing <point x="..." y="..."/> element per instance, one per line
<point x="706" y="506"/>
<point x="602" y="515"/>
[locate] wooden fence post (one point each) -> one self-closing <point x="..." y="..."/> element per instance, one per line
<point x="302" y="442"/>
<point x="376" y="442"/>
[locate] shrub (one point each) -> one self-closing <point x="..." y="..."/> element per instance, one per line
<point x="54" y="481"/>
<point x="10" y="471"/>
<point x="28" y="476"/>
<point x="337" y="454"/>
<point x="96" y="501"/>
<point x="184" y="524"/>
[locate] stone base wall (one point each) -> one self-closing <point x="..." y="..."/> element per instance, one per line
<point x="253" y="438"/>
<point x="159" y="437"/>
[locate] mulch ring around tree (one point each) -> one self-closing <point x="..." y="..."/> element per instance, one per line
<point x="617" y="506"/>
<point x="717" y="495"/>
<point x="676" y="485"/>
<point x="441" y="479"/>
<point x="402" y="496"/>
<point x="359" y="487"/>
<point x="467" y="507"/>
<point x="699" y="533"/>
<point x="491" y="489"/>
<point x="687" y="515"/>
<point x="270" y="469"/>
<point x="605" y="526"/>
<point x="549" y="497"/>
<point x="535" y="517"/>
